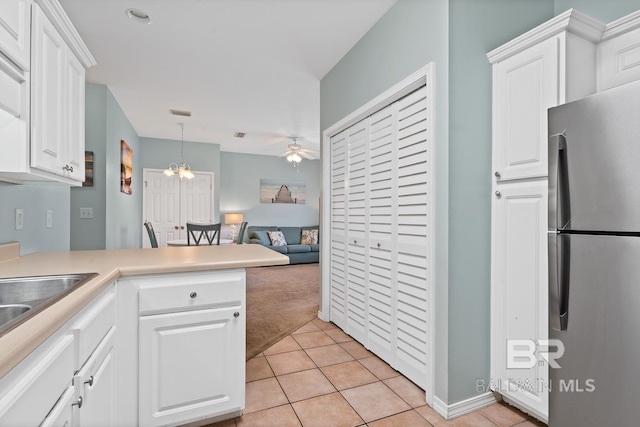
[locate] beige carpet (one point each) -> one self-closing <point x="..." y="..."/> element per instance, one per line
<point x="280" y="299"/>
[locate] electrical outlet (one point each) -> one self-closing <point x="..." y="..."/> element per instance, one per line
<point x="86" y="213"/>
<point x="49" y="218"/>
<point x="19" y="219"/>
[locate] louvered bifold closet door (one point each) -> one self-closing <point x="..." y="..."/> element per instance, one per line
<point x="413" y="195"/>
<point x="338" y="265"/>
<point x="382" y="215"/>
<point x="357" y="165"/>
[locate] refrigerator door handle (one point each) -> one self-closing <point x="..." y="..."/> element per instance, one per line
<point x="559" y="266"/>
<point x="559" y="207"/>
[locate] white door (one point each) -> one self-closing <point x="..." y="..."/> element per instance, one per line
<point x="357" y="286"/>
<point x="338" y="233"/>
<point x="519" y="294"/>
<point x="168" y="203"/>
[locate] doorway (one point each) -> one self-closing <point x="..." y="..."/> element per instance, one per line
<point x="169" y="202"/>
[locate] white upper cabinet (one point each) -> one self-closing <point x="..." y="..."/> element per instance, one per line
<point x="15" y="31"/>
<point x="48" y="108"/>
<point x="619" y="52"/>
<point x="547" y="66"/>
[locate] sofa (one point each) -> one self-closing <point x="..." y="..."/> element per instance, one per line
<point x="298" y="253"/>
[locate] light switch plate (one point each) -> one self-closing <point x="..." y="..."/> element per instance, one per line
<point x="19" y="219"/>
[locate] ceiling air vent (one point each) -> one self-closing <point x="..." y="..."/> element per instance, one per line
<point x="239" y="134"/>
<point x="181" y="113"/>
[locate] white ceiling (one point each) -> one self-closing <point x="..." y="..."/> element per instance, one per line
<point x="251" y="66"/>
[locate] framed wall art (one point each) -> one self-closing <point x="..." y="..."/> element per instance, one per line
<point x="282" y="191"/>
<point x="126" y="167"/>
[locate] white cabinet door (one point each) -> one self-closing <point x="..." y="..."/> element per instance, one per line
<point x="15" y="31"/>
<point x="62" y="415"/>
<point x="525" y="86"/>
<point x="75" y="86"/>
<point x="47" y="89"/>
<point x="519" y="292"/>
<point x="188" y="369"/>
<point x="95" y="383"/>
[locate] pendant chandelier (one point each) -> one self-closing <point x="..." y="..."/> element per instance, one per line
<point x="183" y="170"/>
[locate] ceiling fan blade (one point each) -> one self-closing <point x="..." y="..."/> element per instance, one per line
<point x="286" y="153"/>
<point x="306" y="155"/>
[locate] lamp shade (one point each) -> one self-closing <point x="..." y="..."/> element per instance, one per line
<point x="233" y="218"/>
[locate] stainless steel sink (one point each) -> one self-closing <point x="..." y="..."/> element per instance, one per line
<point x="23" y="297"/>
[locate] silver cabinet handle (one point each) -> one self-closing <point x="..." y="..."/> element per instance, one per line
<point x="67" y="168"/>
<point x="497" y="174"/>
<point x="89" y="381"/>
<point x="78" y="402"/>
<point x="498" y="194"/>
<point x="236" y="314"/>
<point x="193" y="294"/>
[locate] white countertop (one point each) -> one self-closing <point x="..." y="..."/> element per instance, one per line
<point x="109" y="264"/>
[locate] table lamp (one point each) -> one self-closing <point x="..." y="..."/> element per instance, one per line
<point x="232" y="219"/>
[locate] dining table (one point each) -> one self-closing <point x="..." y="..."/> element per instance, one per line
<point x="183" y="242"/>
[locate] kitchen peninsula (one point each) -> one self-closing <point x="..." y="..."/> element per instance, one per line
<point x="156" y="338"/>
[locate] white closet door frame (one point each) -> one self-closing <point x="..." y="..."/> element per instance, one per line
<point x="422" y="77"/>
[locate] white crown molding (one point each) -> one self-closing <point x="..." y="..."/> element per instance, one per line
<point x="572" y="21"/>
<point x="622" y="25"/>
<point x="63" y="24"/>
<point x="464" y="407"/>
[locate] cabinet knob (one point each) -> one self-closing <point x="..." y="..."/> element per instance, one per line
<point x="355" y="242"/>
<point x="497" y="174"/>
<point x="379" y="244"/>
<point x="78" y="402"/>
<point x="193" y="294"/>
<point x="498" y="194"/>
<point x="89" y="381"/>
<point x="236" y="314"/>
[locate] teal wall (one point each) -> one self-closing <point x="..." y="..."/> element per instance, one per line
<point x="92" y="233"/>
<point x="475" y="28"/>
<point x="240" y="189"/>
<point x="35" y="199"/>
<point x="602" y="10"/>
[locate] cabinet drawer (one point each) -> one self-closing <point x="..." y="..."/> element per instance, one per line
<point x="93" y="324"/>
<point x="215" y="289"/>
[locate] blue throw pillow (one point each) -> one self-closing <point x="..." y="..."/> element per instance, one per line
<point x="263" y="236"/>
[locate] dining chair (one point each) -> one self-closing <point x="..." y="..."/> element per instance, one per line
<point x="152" y="234"/>
<point x="243" y="227"/>
<point x="195" y="233"/>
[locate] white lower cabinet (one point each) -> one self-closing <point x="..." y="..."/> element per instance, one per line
<point x="187" y="369"/>
<point x="188" y="350"/>
<point x="519" y="293"/>
<point x="51" y="386"/>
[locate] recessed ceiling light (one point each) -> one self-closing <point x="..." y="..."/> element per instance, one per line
<point x="138" y="16"/>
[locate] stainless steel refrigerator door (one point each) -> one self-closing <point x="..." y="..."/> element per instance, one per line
<point x="599" y="376"/>
<point x="601" y="159"/>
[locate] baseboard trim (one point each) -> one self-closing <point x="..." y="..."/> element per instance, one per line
<point x="464" y="407"/>
<point x="321" y="316"/>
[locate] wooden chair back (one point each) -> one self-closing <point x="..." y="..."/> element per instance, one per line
<point x="196" y="232"/>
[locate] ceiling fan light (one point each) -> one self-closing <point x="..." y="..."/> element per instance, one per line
<point x="290" y="157"/>
<point x="296" y="157"/>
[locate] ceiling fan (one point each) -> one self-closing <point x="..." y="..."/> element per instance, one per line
<point x="295" y="152"/>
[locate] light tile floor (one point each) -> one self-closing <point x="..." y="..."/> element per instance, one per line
<point x="319" y="376"/>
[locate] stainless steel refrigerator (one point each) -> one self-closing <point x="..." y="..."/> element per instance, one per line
<point x="594" y="259"/>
